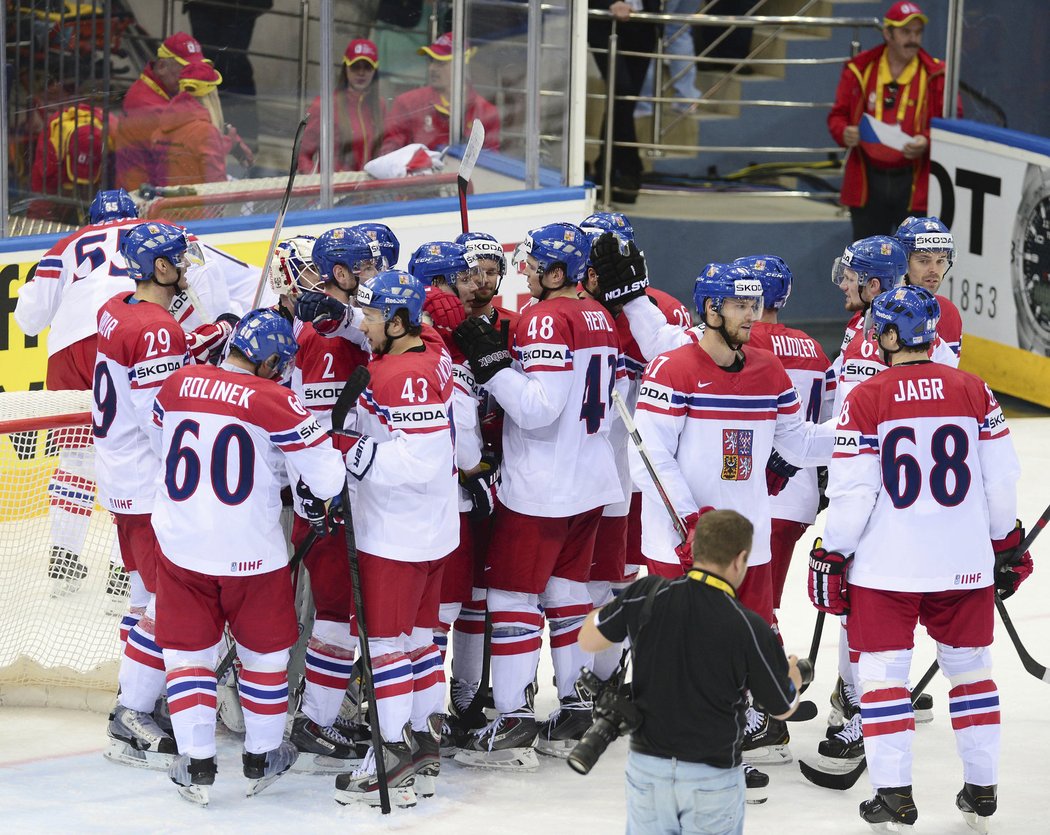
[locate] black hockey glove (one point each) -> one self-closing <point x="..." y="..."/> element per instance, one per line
<point x="778" y="473"/>
<point x="621" y="270"/>
<point x="315" y="510"/>
<point x="481" y="487"/>
<point x="822" y="489"/>
<point x="321" y="310"/>
<point x="484" y="347"/>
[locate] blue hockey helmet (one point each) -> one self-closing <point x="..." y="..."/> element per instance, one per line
<point x="347" y="246"/>
<point x="292" y="265"/>
<point x="559" y="243"/>
<point x="610" y="222"/>
<point x="926" y="234"/>
<point x="141" y="245"/>
<point x="262" y="333"/>
<point x="391" y="291"/>
<point x="382" y="234"/>
<point x="719" y="282"/>
<point x="451" y="262"/>
<point x="913" y="311"/>
<point x="878" y="257"/>
<point x="774" y="274"/>
<point x="484" y="245"/>
<point x="112" y="204"/>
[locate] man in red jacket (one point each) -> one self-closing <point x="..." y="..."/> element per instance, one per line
<point x="900" y="84"/>
<point x="422" y="115"/>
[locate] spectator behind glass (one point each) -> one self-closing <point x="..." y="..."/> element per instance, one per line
<point x="188" y="146"/>
<point x="67" y="163"/>
<point x="422" y="115"/>
<point x="143" y="103"/>
<point x="357" y="110"/>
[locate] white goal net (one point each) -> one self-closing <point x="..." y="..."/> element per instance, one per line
<point x="60" y="601"/>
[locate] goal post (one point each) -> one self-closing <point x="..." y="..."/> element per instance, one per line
<point x="59" y="615"/>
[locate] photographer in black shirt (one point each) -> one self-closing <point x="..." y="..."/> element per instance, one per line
<point x="696" y="653"/>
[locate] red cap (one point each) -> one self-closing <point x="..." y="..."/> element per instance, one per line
<point x="902" y="13"/>
<point x="361" y="49"/>
<point x="182" y="47"/>
<point x="441" y="49"/>
<point x="199" y="78"/>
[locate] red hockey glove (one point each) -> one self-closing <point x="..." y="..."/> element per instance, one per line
<point x="828" y="587"/>
<point x="1011" y="567"/>
<point x="206" y="342"/>
<point x="778" y="473"/>
<point x="685" y="550"/>
<point x="446" y="311"/>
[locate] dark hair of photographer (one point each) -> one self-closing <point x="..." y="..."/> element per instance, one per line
<point x="699" y="652"/>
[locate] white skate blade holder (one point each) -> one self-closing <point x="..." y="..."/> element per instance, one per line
<point x="890" y="826"/>
<point x="320" y="764"/>
<point x="121" y="752"/>
<point x="260" y="784"/>
<point x="756" y="796"/>
<point x="506" y="759"/>
<point x="197" y="795"/>
<point x="401" y="797"/>
<point x="768" y="755"/>
<point x="977" y="822"/>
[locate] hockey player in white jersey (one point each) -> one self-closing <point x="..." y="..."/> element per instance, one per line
<point x="923" y="465"/>
<point x="140" y="345"/>
<point x="558" y="473"/>
<point x="226" y="435"/>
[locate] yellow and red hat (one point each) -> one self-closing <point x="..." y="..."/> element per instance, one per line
<point x="184" y="48"/>
<point x="361" y="49"/>
<point x="441" y="49"/>
<point x="902" y="13"/>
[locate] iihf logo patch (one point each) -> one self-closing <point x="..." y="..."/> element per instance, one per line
<point x="886" y="249"/>
<point x="737" y="461"/>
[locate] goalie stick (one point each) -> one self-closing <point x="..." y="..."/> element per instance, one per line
<point x="352" y="389"/>
<point x="806" y="710"/>
<point x="276" y="236"/>
<point x="466" y="168"/>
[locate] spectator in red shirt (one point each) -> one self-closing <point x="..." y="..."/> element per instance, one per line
<point x="358" y="112"/>
<point x="144" y="102"/>
<point x="422" y="115"/>
<point x="188" y="146"/>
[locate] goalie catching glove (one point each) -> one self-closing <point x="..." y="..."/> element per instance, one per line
<point x="321" y="310"/>
<point x="828" y="586"/>
<point x="778" y="473"/>
<point x="1011" y="567"/>
<point x="484" y="348"/>
<point x="322" y="516"/>
<point x="620" y="268"/>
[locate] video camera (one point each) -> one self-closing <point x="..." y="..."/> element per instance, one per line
<point x="614" y="715"/>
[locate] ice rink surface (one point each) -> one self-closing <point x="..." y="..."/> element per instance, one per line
<point x="53" y="776"/>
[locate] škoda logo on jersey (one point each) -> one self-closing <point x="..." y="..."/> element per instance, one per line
<point x="737" y="461"/>
<point x="430" y="416"/>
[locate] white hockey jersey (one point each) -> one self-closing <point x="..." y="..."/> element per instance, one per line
<point x="923" y="477"/>
<point x="557" y="458"/>
<point x="140" y="345"/>
<point x="709" y="432"/>
<point x="225" y="435"/>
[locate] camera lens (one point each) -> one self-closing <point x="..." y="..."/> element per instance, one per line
<point x="805" y="670"/>
<point x="591" y="746"/>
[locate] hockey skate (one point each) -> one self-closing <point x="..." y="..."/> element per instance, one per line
<point x="262" y="769"/>
<point x="845" y="704"/>
<point x="765" y="739"/>
<point x="162" y="715"/>
<point x="362" y="785"/>
<point x="66" y="571"/>
<point x="890" y="810"/>
<point x="136" y="739"/>
<point x="505" y="743"/>
<point x="757" y="785"/>
<point x="463" y="717"/>
<point x="560" y="733"/>
<point x="841" y="751"/>
<point x="426" y="755"/>
<point x="118" y="590"/>
<point x="977" y="804"/>
<point x="193" y="777"/>
<point x="322" y="750"/>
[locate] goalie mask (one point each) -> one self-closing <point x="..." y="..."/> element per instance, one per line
<point x="292" y="268"/>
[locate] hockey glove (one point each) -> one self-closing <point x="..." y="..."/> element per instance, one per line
<point x="822" y="489"/>
<point x="359" y="451"/>
<point x="484" y="347"/>
<point x="321" y="310"/>
<point x="621" y="271"/>
<point x="205" y="343"/>
<point x="828" y="586"/>
<point x="481" y="486"/>
<point x="685" y="550"/>
<point x="778" y="473"/>
<point x="1011" y="568"/>
<point x="315" y="510"/>
<point x="446" y="312"/>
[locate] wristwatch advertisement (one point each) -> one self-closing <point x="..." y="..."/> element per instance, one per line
<point x="1030" y="262"/>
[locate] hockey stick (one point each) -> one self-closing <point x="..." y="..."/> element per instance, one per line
<point x="814" y="645"/>
<point x="293" y="563"/>
<point x="352" y="389"/>
<point x="466" y="168"/>
<point x="276" y="236"/>
<point x="1032" y="666"/>
<point x="842" y="782"/>
<point x="805" y="710"/>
